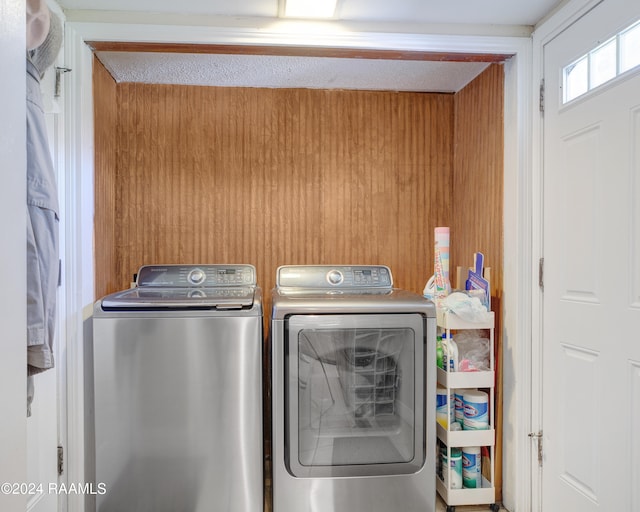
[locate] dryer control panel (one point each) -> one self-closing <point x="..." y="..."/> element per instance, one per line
<point x="187" y="276"/>
<point x="325" y="276"/>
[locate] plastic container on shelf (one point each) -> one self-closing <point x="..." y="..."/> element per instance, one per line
<point x="471" y="467"/>
<point x="439" y="352"/>
<point x="449" y="353"/>
<point x="452" y="468"/>
<point x="476" y="409"/>
<point x="458" y="401"/>
<point x="445" y="408"/>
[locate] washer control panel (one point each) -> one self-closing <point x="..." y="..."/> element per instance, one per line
<point x="323" y="276"/>
<point x="196" y="276"/>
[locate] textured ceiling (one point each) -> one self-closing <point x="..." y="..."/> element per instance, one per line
<point x="289" y="72"/>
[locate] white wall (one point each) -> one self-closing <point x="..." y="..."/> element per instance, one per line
<point x="13" y="360"/>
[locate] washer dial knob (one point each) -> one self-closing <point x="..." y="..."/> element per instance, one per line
<point x="196" y="276"/>
<point x="335" y="277"/>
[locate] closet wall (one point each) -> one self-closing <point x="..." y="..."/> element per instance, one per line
<point x="294" y="176"/>
<point x="477" y="174"/>
<point x="105" y="182"/>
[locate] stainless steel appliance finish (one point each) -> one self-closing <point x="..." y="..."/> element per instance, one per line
<point x="353" y="396"/>
<point x="177" y="365"/>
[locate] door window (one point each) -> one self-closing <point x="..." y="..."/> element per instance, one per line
<point x="617" y="55"/>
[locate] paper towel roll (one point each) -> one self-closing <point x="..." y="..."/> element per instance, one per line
<point x="441" y="262"/>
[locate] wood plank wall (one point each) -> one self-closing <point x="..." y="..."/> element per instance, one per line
<point x="476" y="220"/>
<point x="273" y="176"/>
<point x="105" y="183"/>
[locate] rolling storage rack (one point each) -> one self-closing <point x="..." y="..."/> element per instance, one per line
<point x="484" y="380"/>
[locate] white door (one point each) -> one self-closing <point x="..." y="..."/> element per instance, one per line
<point x="42" y="441"/>
<point x="45" y="426"/>
<point x="591" y="347"/>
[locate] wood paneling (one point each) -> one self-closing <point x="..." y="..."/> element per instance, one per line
<point x="476" y="217"/>
<point x="273" y="176"/>
<point x="294" y="51"/>
<point x="104" y="94"/>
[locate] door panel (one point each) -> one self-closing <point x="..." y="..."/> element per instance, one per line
<point x="355" y="398"/>
<point x="591" y="310"/>
<point x="42" y="442"/>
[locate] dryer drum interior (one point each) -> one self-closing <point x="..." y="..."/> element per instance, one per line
<point x="356" y="395"/>
<point x="354" y="390"/>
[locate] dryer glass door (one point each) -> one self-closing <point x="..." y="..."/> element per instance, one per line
<point x="355" y="397"/>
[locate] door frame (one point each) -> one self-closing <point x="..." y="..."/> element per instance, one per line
<point x="13" y="272"/>
<point x="518" y="207"/>
<point x="544" y="33"/>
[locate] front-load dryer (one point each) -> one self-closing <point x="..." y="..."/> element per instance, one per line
<point x="353" y="392"/>
<point x="177" y="392"/>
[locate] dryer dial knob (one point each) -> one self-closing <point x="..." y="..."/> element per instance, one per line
<point x="196" y="276"/>
<point x="335" y="277"/>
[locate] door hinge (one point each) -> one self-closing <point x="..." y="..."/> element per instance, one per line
<point x="538" y="437"/>
<point x="541" y="274"/>
<point x="542" y="96"/>
<point x="58" y="85"/>
<point x="60" y="460"/>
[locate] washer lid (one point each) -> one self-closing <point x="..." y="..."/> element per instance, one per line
<point x="188" y="287"/>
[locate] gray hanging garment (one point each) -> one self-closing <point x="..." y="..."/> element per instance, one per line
<point x="42" y="234"/>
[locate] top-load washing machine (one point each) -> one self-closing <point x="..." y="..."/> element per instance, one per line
<point x="177" y="387"/>
<point x="353" y="392"/>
